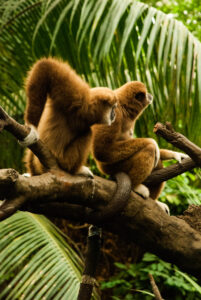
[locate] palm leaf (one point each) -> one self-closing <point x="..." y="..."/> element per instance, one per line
<point x="108" y="42"/>
<point x="36" y="260"/>
<point x="190" y="280"/>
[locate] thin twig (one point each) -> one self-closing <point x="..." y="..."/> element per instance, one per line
<point x="155" y="289"/>
<point x="20" y="132"/>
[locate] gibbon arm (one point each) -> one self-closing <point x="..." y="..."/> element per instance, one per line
<point x="56" y="80"/>
<point x="75" y="155"/>
<point x="53" y="78"/>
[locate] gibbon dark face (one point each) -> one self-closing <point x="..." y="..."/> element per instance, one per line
<point x="144" y="98"/>
<point x="133" y="98"/>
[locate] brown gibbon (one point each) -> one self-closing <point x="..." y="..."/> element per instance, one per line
<point x="63" y="108"/>
<point x="115" y="150"/>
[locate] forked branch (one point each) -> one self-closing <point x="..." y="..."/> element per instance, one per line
<point x="67" y="196"/>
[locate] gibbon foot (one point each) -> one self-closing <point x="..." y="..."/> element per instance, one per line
<point x="179" y="156"/>
<point x="26" y="174"/>
<point x="157" y="152"/>
<point x="142" y="190"/>
<point x="164" y="207"/>
<point x="85" y="171"/>
<point x="169" y="154"/>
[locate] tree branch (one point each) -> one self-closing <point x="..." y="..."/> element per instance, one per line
<point x="179" y="141"/>
<point x="169" y="172"/>
<point x="48" y="160"/>
<point x="155" y="288"/>
<point x="141" y="221"/>
<point x="182" y="143"/>
<point x="20" y="132"/>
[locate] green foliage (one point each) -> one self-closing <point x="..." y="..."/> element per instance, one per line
<point x="37" y="260"/>
<point x="182" y="191"/>
<point x="11" y="152"/>
<point x="109" y="43"/>
<point x="132" y="282"/>
<point x="187" y="11"/>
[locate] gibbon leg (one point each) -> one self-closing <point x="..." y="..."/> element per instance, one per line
<point x="122" y="151"/>
<point x="71" y="159"/>
<point x="165" y="154"/>
<point x="33" y="165"/>
<point x="156" y="190"/>
<point x="85" y="171"/>
<point x="139" y="164"/>
<point x="142" y="164"/>
<point x="75" y="156"/>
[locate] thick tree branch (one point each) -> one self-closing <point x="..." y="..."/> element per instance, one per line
<point x="63" y="195"/>
<point x="142" y="221"/>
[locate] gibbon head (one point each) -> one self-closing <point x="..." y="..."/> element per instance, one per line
<point x="108" y="103"/>
<point x="133" y="97"/>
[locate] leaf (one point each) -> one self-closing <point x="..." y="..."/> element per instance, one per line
<point x="121" y="266"/>
<point x="109" y="43"/>
<point x="148" y="21"/>
<point x="37" y="253"/>
<point x="145" y="292"/>
<point x="154" y="32"/>
<point x="135" y="12"/>
<point x="190" y="280"/>
<point x="44" y="17"/>
<point x="58" y="25"/>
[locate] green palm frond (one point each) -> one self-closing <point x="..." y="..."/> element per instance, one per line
<point x="36" y="260"/>
<point x="109" y="43"/>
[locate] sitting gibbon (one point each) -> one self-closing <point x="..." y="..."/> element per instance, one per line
<point x="115" y="149"/>
<point x="63" y="108"/>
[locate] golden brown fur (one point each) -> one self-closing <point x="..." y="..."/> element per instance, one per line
<point x="114" y="148"/>
<point x="63" y="107"/>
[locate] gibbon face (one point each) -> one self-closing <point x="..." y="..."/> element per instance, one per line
<point x="109" y="102"/>
<point x="109" y="117"/>
<point x="133" y="97"/>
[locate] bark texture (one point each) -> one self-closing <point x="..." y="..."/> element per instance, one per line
<point x="174" y="239"/>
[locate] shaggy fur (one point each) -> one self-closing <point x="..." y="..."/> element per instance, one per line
<point x="115" y="149"/>
<point x="63" y="107"/>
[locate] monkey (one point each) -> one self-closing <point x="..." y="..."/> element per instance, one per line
<point x="63" y="108"/>
<point x="115" y="150"/>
